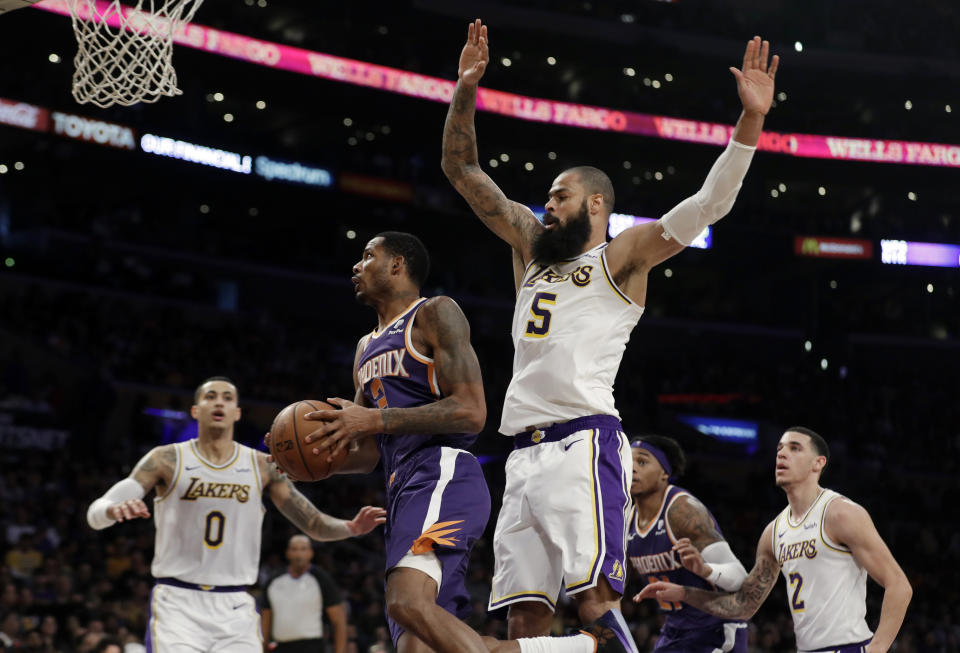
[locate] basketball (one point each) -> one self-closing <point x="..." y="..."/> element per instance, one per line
<point x="289" y="450"/>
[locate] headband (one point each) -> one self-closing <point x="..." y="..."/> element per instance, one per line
<point x="657" y="453"/>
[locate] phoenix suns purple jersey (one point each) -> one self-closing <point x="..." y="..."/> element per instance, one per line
<point x="393" y="374"/>
<point x="651" y="555"/>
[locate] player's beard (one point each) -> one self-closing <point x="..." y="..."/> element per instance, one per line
<point x="563" y="241"/>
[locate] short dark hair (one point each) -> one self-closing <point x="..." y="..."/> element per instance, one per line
<point x="196" y="393"/>
<point x="411" y="248"/>
<point x="818" y="442"/>
<point x="671" y="449"/>
<point x="595" y="181"/>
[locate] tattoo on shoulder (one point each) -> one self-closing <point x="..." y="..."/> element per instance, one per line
<point x="167" y="460"/>
<point x="157" y="467"/>
<point x="689" y="518"/>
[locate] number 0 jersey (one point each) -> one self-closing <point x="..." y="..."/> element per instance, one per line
<point x="570" y="327"/>
<point x="826" y="587"/>
<point x="208" y="522"/>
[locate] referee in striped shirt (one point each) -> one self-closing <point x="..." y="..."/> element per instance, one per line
<point x="294" y="604"/>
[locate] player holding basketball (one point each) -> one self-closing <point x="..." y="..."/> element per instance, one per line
<point x="825" y="545"/>
<point x="672" y="536"/>
<point x="208" y="514"/>
<point x="419" y="392"/>
<point x="578" y="299"/>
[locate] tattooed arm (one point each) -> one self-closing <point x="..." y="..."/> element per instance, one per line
<point x="124" y="500"/>
<point x="156" y="469"/>
<point x="741" y="604"/>
<point x="305" y="516"/>
<point x="701" y="548"/>
<point x="694" y="530"/>
<point x="512" y="221"/>
<point x="461" y="408"/>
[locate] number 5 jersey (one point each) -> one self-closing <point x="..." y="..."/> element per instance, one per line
<point x="570" y="326"/>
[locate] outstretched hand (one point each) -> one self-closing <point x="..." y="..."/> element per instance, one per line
<point x="665" y="592"/>
<point x="366" y="520"/>
<point x="755" y="79"/>
<point x="475" y="55"/>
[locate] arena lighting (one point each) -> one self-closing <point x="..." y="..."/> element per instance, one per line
<point x="292" y="172"/>
<point x="722" y="428"/>
<point x="93" y="131"/>
<point x="185" y="151"/>
<point x="820" y="247"/>
<point x="907" y="252"/>
<point x="23" y="115"/>
<point x="359" y="73"/>
<point x="621" y="221"/>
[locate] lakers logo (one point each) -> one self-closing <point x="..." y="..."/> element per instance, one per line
<point x="617" y="573"/>
<point x="581" y="276"/>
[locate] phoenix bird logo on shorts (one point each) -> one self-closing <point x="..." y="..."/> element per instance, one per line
<point x="436" y="534"/>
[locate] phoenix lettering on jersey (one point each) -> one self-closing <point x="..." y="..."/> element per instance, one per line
<point x="389" y="363"/>
<point x="655" y="563"/>
<point x="211" y="490"/>
<point x="806" y="548"/>
<point x="580" y="277"/>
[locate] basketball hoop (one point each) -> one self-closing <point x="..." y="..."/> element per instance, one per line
<point x="125" y="53"/>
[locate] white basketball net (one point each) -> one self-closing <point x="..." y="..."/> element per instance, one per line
<point x="125" y="53"/>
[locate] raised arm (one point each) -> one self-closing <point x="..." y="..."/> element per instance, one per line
<point x="635" y="251"/>
<point x="849" y="525"/>
<point x="701" y="547"/>
<point x="461" y="408"/>
<point x="741" y="604"/>
<point x="512" y="221"/>
<point x="307" y="517"/>
<point x="124" y="500"/>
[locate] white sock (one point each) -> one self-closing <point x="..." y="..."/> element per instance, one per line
<point x="578" y="643"/>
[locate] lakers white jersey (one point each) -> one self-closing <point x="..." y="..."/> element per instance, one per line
<point x="570" y="327"/>
<point x="826" y="588"/>
<point x="209" y="520"/>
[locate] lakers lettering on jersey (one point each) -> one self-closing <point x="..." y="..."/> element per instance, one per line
<point x="209" y="520"/>
<point x="826" y="587"/>
<point x="570" y="327"/>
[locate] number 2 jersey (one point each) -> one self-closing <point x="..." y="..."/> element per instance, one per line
<point x="209" y="520"/>
<point x="826" y="587"/>
<point x="393" y="374"/>
<point x="570" y="326"/>
<point x="651" y="554"/>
